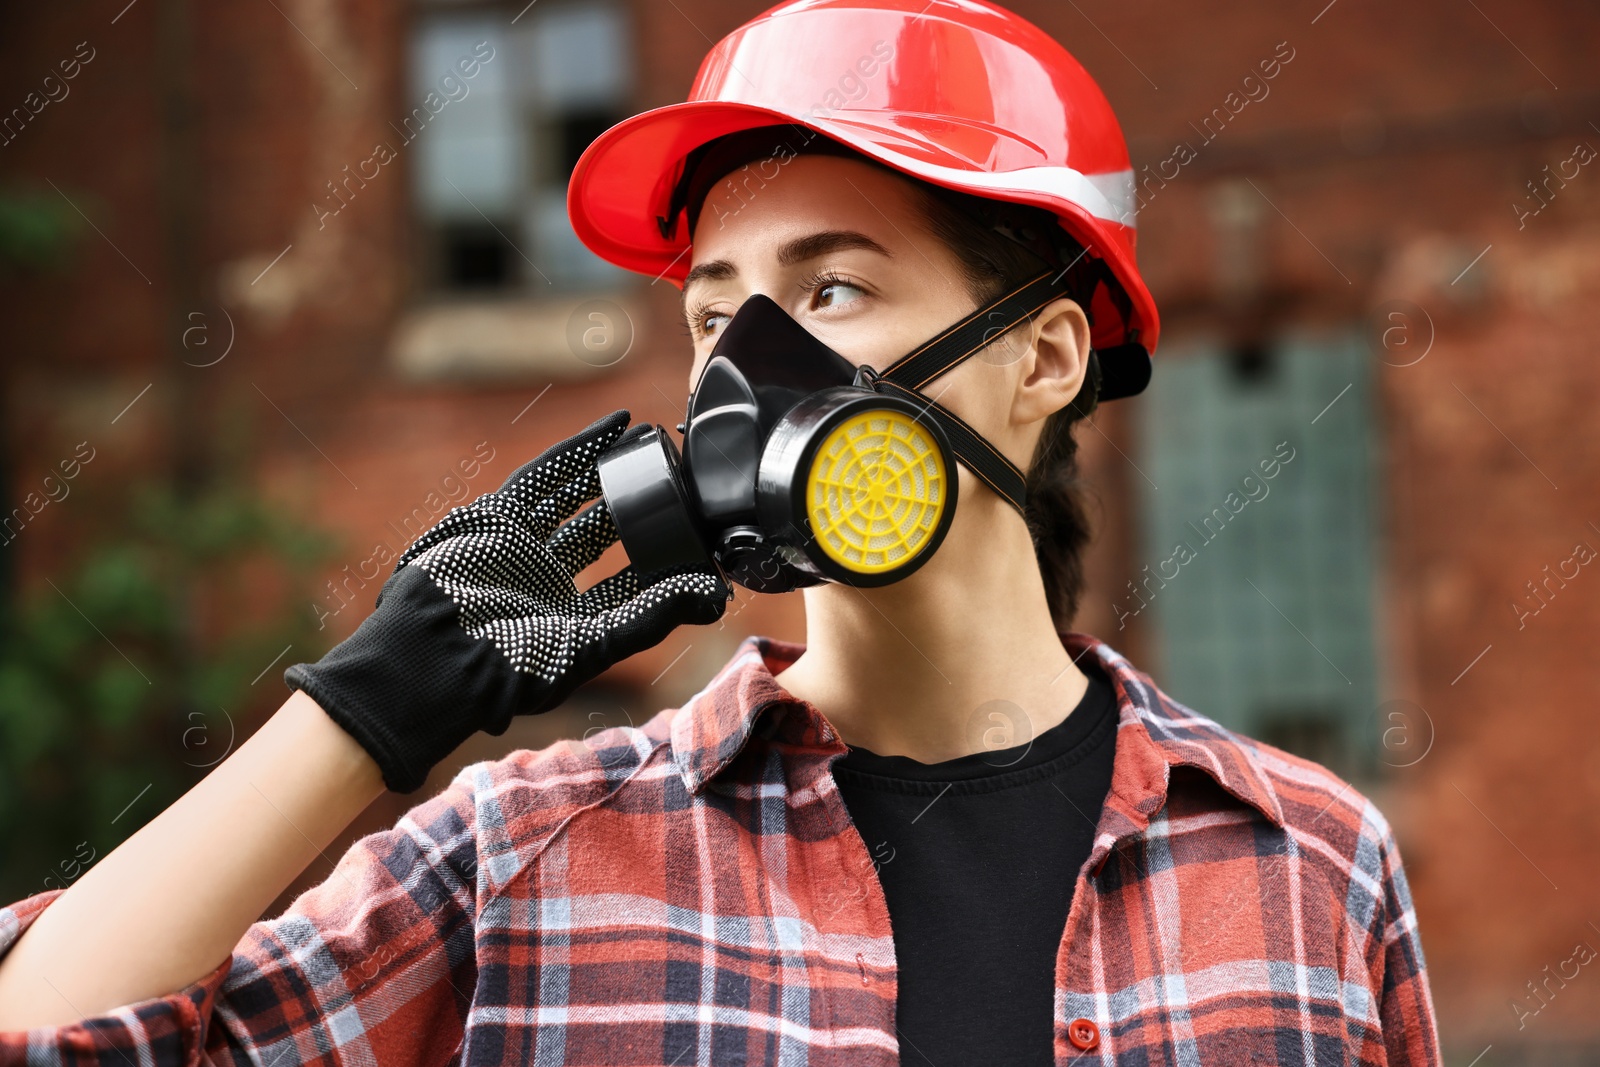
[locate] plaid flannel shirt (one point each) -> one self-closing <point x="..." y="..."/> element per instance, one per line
<point x="692" y="891"/>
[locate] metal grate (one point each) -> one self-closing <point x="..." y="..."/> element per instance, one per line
<point x="1267" y="624"/>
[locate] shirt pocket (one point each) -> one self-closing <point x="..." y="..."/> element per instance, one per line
<point x="1264" y="957"/>
<point x="1247" y="959"/>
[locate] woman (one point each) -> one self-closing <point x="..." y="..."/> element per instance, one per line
<point x="946" y="829"/>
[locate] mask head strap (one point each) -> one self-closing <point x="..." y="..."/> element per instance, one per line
<point x="960" y="342"/>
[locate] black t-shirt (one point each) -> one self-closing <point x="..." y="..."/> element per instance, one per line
<point x="978" y="857"/>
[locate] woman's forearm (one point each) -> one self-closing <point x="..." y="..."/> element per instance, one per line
<point x="168" y="905"/>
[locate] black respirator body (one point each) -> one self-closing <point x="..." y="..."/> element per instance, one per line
<point x="798" y="467"/>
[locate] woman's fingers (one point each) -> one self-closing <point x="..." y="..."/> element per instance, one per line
<point x="610" y="592"/>
<point x="565" y="499"/>
<point x="582" y="540"/>
<point x="636" y="616"/>
<point x="536" y="480"/>
<point x="548" y="513"/>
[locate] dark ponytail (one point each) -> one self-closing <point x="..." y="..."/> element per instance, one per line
<point x="995" y="264"/>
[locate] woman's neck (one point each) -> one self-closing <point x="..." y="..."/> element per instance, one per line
<point x="960" y="657"/>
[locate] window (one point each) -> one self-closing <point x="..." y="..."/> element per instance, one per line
<point x="492" y="162"/>
<point x="1257" y="554"/>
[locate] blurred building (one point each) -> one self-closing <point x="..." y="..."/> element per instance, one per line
<point x="1373" y="232"/>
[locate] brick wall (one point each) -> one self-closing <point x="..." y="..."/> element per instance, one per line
<point x="1390" y="154"/>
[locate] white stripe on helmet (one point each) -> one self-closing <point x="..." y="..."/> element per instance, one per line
<point x="1112" y="197"/>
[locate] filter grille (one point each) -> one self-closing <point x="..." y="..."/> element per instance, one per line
<point x="876" y="491"/>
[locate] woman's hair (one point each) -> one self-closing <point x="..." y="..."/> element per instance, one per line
<point x="994" y="264"/>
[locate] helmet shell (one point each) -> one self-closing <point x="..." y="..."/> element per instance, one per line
<point x="960" y="93"/>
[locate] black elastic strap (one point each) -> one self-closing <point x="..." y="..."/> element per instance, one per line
<point x="969" y="336"/>
<point x="970" y="447"/>
<point x="952" y="347"/>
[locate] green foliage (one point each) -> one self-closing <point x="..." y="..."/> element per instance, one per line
<point x="36" y="229"/>
<point x="142" y="662"/>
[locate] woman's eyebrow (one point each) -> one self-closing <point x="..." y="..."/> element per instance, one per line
<point x="820" y="244"/>
<point x="796" y="251"/>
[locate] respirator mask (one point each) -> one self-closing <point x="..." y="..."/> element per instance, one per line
<point x="798" y="467"/>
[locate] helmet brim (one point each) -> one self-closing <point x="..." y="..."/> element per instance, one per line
<point x="623" y="182"/>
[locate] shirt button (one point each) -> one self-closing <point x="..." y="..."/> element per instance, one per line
<point x="1083" y="1033"/>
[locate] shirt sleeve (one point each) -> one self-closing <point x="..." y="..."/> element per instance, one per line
<point x="375" y="964"/>
<point x="1405" y="1008"/>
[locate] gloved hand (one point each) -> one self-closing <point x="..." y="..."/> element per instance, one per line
<point x="481" y="619"/>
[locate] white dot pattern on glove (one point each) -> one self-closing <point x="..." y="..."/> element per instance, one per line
<point x="509" y="563"/>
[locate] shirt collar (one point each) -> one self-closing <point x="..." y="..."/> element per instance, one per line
<point x="1156" y="733"/>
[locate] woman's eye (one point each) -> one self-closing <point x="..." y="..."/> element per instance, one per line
<point x="711" y="322"/>
<point x="835" y="293"/>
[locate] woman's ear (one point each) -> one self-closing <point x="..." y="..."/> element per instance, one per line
<point x="1054" y="367"/>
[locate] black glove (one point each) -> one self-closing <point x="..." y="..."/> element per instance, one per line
<point x="481" y="619"/>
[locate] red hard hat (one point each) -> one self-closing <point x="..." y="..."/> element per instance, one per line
<point x="960" y="93"/>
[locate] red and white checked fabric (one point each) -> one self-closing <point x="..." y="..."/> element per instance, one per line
<point x="692" y="891"/>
